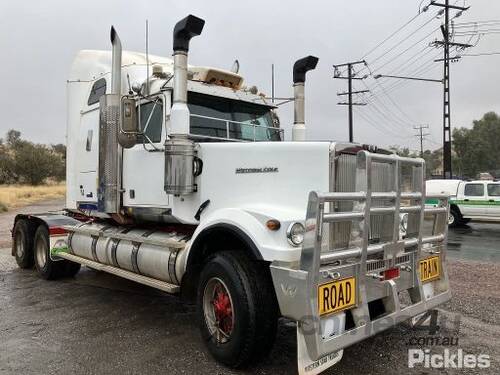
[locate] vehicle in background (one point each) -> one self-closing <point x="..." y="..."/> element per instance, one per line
<point x="469" y="200"/>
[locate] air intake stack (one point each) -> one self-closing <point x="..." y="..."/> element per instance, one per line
<point x="300" y="68"/>
<point x="180" y="151"/>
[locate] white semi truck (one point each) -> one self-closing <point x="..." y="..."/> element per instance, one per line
<point x="181" y="180"/>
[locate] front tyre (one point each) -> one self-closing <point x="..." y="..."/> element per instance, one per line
<point x="237" y="309"/>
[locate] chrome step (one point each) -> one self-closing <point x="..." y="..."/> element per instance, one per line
<point x="157" y="284"/>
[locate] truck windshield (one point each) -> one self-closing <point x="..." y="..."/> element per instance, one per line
<point x="213" y="116"/>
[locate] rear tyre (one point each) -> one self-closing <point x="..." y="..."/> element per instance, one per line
<point x="46" y="267"/>
<point x="237" y="309"/>
<point x="22" y="244"/>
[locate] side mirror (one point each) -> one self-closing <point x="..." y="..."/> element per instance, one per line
<point x="129" y="124"/>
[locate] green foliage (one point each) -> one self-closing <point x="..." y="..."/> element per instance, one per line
<point x="433" y="159"/>
<point x="478" y="149"/>
<point x="22" y="161"/>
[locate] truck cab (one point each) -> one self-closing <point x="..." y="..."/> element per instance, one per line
<point x="469" y="200"/>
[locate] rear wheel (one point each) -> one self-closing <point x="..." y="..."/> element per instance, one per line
<point x="46" y="267"/>
<point x="237" y="309"/>
<point x="23" y="244"/>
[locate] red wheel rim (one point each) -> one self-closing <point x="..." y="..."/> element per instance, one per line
<point x="218" y="310"/>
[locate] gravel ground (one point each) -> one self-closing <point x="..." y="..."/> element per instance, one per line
<point x="99" y="324"/>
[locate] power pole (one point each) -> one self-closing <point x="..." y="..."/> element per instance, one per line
<point x="350" y="77"/>
<point x="446" y="43"/>
<point x="422" y="135"/>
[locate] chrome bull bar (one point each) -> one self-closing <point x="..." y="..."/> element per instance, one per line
<point x="297" y="284"/>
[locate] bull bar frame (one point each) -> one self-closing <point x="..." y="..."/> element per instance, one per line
<point x="296" y="284"/>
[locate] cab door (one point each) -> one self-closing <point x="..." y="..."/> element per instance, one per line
<point x="493" y="207"/>
<point x="144" y="163"/>
<point x="474" y="199"/>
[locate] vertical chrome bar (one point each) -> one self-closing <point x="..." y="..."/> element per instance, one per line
<point x="227" y="129"/>
<point x="397" y="201"/>
<point x="363" y="184"/>
<point x="422" y="209"/>
<point x="254" y="132"/>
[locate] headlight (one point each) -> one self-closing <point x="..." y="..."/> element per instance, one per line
<point x="295" y="234"/>
<point x="404" y="223"/>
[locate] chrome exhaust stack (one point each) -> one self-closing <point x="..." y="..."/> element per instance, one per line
<point x="108" y="192"/>
<point x="180" y="152"/>
<point x="116" y="63"/>
<point x="300" y="68"/>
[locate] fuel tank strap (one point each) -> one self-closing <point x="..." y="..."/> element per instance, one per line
<point x="133" y="257"/>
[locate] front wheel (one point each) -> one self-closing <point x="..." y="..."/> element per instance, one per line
<point x="237" y="309"/>
<point x="454" y="219"/>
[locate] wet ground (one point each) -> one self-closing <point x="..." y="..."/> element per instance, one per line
<point x="475" y="241"/>
<point x="99" y="324"/>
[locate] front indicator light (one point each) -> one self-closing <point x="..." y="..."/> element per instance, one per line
<point x="273" y="224"/>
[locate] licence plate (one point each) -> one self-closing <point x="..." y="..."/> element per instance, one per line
<point x="336" y="296"/>
<point x="430" y="269"/>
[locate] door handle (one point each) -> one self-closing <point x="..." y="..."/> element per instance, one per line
<point x="492" y="200"/>
<point x="466" y="200"/>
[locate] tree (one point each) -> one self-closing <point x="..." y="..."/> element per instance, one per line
<point x="34" y="162"/>
<point x="26" y="162"/>
<point x="478" y="149"/>
<point x="59" y="170"/>
<point x="7" y="175"/>
<point x="13" y="136"/>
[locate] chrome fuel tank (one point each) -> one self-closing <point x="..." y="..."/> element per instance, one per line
<point x="146" y="252"/>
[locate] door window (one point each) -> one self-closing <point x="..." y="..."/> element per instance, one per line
<point x="151" y="120"/>
<point x="98" y="90"/>
<point x="494" y="190"/>
<point x="474" y="190"/>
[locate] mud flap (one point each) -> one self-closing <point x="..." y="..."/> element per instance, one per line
<point x="329" y="327"/>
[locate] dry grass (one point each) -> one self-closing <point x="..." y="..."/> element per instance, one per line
<point x="12" y="196"/>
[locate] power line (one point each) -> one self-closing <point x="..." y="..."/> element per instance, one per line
<point x="393" y="34"/>
<point x="404" y="122"/>
<point x="425" y="67"/>
<point x="480" y="54"/>
<point x="377" y="125"/>
<point x="406" y="38"/>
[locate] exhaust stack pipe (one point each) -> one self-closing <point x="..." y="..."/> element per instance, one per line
<point x="184" y="30"/>
<point x="109" y="170"/>
<point x="116" y="63"/>
<point x="300" y="68"/>
<point x="181" y="163"/>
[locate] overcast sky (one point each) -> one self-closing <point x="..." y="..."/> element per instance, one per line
<point x="39" y="39"/>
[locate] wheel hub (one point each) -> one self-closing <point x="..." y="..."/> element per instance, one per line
<point x="40" y="252"/>
<point x="218" y="310"/>
<point x="223" y="309"/>
<point x="19" y="244"/>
